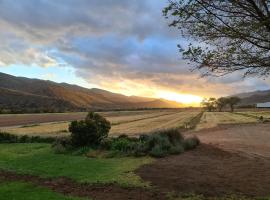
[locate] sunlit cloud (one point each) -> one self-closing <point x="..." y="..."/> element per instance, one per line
<point x="121" y="46"/>
<point x="181" y="98"/>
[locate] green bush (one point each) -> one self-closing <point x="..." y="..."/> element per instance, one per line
<point x="191" y="143"/>
<point x="157" y="144"/>
<point x="89" y="132"/>
<point x="140" y="149"/>
<point x="11" y="138"/>
<point x="62" y="145"/>
<point x="123" y="145"/>
<point x="8" y="138"/>
<point x="158" y="140"/>
<point x="174" y="136"/>
<point x="25" y="139"/>
<point x="174" y="150"/>
<point x="158" y="152"/>
<point x="106" y="143"/>
<point x="59" y="149"/>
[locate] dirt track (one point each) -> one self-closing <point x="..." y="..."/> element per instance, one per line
<point x="231" y="160"/>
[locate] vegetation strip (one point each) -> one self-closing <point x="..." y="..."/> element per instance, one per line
<point x="194" y="121"/>
<point x="98" y="192"/>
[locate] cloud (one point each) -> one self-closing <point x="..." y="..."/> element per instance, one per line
<point x="120" y="45"/>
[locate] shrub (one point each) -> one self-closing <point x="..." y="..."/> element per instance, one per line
<point x="122" y="144"/>
<point x="174" y="150"/>
<point x="11" y="138"/>
<point x="191" y="143"/>
<point x="106" y="143"/>
<point x="174" y="136"/>
<point x="61" y="145"/>
<point x="140" y="149"/>
<point x="89" y="132"/>
<point x="25" y="139"/>
<point x="144" y="137"/>
<point x="157" y="151"/>
<point x="59" y="149"/>
<point x="8" y="138"/>
<point x="158" y="140"/>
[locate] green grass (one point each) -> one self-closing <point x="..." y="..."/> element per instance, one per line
<point x="23" y="191"/>
<point x="38" y="159"/>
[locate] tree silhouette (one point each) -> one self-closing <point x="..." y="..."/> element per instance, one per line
<point x="228" y="35"/>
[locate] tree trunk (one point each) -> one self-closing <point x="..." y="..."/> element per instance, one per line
<point x="232" y="108"/>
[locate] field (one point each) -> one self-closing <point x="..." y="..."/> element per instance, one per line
<point x="264" y="114"/>
<point x="233" y="146"/>
<point x="213" y="119"/>
<point x="123" y="122"/>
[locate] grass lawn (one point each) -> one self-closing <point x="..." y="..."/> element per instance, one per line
<point x="38" y="159"/>
<point x="23" y="191"/>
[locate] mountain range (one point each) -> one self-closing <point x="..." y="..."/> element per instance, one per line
<point x="19" y="93"/>
<point x="251" y="98"/>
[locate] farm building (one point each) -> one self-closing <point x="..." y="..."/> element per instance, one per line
<point x="263" y="105"/>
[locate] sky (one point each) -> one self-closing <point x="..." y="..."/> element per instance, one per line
<point x="117" y="45"/>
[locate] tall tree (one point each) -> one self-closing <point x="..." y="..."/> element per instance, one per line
<point x="209" y="104"/>
<point x="232" y="101"/>
<point x="221" y="103"/>
<point x="228" y="35"/>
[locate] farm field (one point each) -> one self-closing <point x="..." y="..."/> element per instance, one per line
<point x="175" y="120"/>
<point x="213" y="119"/>
<point x="264" y="114"/>
<point x="220" y="165"/>
<point x="7" y="120"/>
<point x="123" y="122"/>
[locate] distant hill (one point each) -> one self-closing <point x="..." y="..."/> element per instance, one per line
<point x="18" y="93"/>
<point x="254" y="97"/>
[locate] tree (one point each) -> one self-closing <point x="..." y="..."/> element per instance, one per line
<point x="221" y="103"/>
<point x="209" y="104"/>
<point x="228" y="35"/>
<point x="232" y="101"/>
<point x="89" y="132"/>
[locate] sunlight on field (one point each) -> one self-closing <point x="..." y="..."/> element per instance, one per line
<point x="140" y="122"/>
<point x="152" y="124"/>
<point x="264" y="114"/>
<point x="123" y="122"/>
<point x="123" y="117"/>
<point x="213" y="119"/>
<point x="44" y="129"/>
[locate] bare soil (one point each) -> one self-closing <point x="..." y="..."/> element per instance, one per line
<point x="247" y="139"/>
<point x="232" y="159"/>
<point x="210" y="171"/>
<point x="97" y="192"/>
<point x="26" y="119"/>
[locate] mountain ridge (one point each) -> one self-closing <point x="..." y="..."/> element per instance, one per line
<point x="35" y="94"/>
<point x="254" y="97"/>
